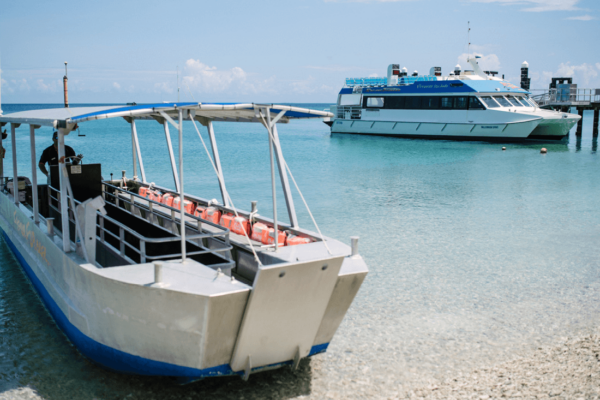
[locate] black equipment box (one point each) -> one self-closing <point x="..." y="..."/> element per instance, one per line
<point x="86" y="180"/>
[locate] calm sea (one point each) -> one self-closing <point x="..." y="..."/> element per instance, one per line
<point x="476" y="254"/>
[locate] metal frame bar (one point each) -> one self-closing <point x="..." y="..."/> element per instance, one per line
<point x="215" y="151"/>
<point x="34" y="183"/>
<point x="143" y="240"/>
<point x="283" y="175"/>
<point x="181" y="197"/>
<point x="133" y="150"/>
<point x="64" y="206"/>
<point x="13" y="128"/>
<point x="171" y="155"/>
<point x="137" y="148"/>
<point x="271" y="127"/>
<point x="273" y="188"/>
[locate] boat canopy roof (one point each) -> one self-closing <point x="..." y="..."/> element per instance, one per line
<point x="236" y="112"/>
<point x="441" y="87"/>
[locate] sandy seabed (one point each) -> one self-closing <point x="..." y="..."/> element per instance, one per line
<point x="568" y="369"/>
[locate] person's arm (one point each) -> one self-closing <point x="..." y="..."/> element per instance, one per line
<point x="69" y="152"/>
<point x="43" y="168"/>
<point x="42" y="163"/>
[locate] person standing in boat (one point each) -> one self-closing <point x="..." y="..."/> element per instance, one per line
<point x="2" y="149"/>
<point x="50" y="155"/>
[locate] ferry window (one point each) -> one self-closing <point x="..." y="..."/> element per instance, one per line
<point x="514" y="101"/>
<point x="475" y="104"/>
<point x="394" y="102"/>
<point x="460" y="103"/>
<point x="503" y="102"/>
<point x="350" y="100"/>
<point x="413" y="102"/>
<point x="430" y="103"/>
<point x="522" y="100"/>
<point x="491" y="103"/>
<point x="446" y="103"/>
<point x="375" y="102"/>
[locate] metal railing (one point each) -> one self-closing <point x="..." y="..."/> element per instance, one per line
<point x="366" y="82"/>
<point x="566" y="96"/>
<point x="348" y="112"/>
<point x="404" y="80"/>
<point x="221" y="234"/>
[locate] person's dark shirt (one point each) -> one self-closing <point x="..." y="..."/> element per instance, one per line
<point x="50" y="155"/>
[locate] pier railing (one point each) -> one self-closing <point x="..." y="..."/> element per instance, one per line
<point x="568" y="97"/>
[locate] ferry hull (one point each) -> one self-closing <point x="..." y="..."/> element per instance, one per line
<point x="554" y="128"/>
<point x="512" y="131"/>
<point x="136" y="329"/>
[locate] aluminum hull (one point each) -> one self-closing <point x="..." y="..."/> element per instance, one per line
<point x="131" y="327"/>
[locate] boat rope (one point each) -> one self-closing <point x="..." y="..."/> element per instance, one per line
<point x="295" y="184"/>
<point x="227" y="193"/>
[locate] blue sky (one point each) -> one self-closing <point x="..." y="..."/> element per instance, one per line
<point x="279" y="51"/>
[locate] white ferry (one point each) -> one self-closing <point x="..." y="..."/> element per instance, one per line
<point x="465" y="105"/>
<point x="147" y="280"/>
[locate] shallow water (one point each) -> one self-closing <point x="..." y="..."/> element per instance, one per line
<point x="475" y="255"/>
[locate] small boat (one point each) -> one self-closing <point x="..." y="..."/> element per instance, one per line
<point x="465" y="105"/>
<point x="151" y="281"/>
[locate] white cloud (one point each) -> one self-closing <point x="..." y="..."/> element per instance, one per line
<point x="201" y="77"/>
<point x="584" y="73"/>
<point x="52" y="87"/>
<point x="366" y="1"/>
<point x="311" y="86"/>
<point x="164" y="87"/>
<point x="537" y="5"/>
<point x="116" y="85"/>
<point x="491" y="62"/>
<point x="582" y="18"/>
<point x="22" y="84"/>
<point x="331" y="68"/>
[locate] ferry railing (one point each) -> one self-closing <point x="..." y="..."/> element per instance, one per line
<point x="349" y="112"/>
<point x="144" y="241"/>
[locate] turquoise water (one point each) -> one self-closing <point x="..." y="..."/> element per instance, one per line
<point x="475" y="254"/>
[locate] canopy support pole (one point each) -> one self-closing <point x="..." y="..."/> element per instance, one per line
<point x="171" y="155"/>
<point x="135" y="177"/>
<point x="289" y="200"/>
<point x="273" y="180"/>
<point x="34" y="182"/>
<point x="13" y="128"/>
<point x="215" y="151"/>
<point x="64" y="206"/>
<point x="136" y="144"/>
<point x="181" y="198"/>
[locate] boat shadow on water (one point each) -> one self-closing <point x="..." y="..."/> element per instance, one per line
<point x="42" y="360"/>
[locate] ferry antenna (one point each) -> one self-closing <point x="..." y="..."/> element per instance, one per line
<point x="468" y="39"/>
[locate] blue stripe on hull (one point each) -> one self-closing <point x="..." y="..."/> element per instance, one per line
<point x="118" y="360"/>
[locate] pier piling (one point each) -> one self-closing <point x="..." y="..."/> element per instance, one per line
<point x="595" y="129"/>
<point x="580" y="122"/>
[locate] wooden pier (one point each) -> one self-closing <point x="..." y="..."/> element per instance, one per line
<point x="563" y="98"/>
